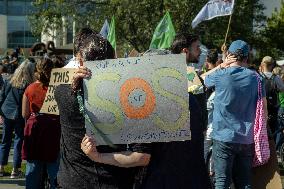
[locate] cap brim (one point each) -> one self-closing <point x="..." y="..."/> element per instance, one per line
<point x="280" y="62"/>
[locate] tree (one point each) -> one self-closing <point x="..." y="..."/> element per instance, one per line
<point x="47" y="14"/>
<point x="137" y="19"/>
<point x="272" y="37"/>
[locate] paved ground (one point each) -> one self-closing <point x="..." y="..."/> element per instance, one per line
<point x="7" y="183"/>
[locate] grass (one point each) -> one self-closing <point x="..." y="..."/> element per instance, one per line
<point x="8" y="169"/>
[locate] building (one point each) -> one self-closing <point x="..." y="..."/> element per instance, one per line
<point x="15" y="30"/>
<point x="60" y="36"/>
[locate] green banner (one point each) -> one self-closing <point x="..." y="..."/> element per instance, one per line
<point x="111" y="34"/>
<point x="164" y="33"/>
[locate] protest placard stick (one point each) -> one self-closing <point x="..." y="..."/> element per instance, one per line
<point x="224" y="47"/>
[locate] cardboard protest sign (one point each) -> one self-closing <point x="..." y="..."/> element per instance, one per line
<point x="58" y="76"/>
<point x="194" y="84"/>
<point x="138" y="100"/>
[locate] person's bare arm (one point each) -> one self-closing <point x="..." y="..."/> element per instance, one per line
<point x="119" y="159"/>
<point x="229" y="60"/>
<point x="25" y="107"/>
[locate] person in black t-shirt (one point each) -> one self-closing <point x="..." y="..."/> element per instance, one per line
<point x="181" y="164"/>
<point x="103" y="169"/>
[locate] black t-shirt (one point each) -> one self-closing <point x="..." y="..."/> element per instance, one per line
<point x="76" y="169"/>
<point x="10" y="68"/>
<point x="179" y="165"/>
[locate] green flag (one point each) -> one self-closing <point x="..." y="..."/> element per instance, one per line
<point x="164" y="33"/>
<point x="111" y="34"/>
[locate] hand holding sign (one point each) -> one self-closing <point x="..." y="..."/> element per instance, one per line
<point x="88" y="146"/>
<point x="81" y="73"/>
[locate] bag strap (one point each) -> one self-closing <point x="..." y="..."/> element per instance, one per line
<point x="259" y="88"/>
<point x="274" y="82"/>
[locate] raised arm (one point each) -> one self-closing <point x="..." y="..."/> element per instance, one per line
<point x="119" y="159"/>
<point x="229" y="60"/>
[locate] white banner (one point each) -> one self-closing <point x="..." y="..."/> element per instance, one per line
<point x="212" y="9"/>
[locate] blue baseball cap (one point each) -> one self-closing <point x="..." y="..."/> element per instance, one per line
<point x="239" y="45"/>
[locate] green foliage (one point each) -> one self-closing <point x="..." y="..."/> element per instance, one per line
<point x="136" y="20"/>
<point x="270" y="40"/>
<point x="47" y="14"/>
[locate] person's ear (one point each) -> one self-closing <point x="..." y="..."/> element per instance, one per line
<point x="184" y="50"/>
<point x="79" y="58"/>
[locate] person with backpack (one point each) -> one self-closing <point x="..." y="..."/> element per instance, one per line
<point x="11" y="109"/>
<point x="42" y="131"/>
<point x="273" y="85"/>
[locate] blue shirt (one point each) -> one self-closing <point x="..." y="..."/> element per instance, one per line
<point x="235" y="104"/>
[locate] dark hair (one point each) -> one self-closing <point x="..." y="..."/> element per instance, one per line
<point x="183" y="40"/>
<point x="31" y="59"/>
<point x="58" y="61"/>
<point x="14" y="55"/>
<point x="212" y="56"/>
<point x="239" y="55"/>
<point x="4" y="70"/>
<point x="43" y="70"/>
<point x="38" y="49"/>
<point x="92" y="46"/>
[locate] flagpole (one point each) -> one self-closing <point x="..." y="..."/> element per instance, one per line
<point x="228" y="28"/>
<point x="224" y="47"/>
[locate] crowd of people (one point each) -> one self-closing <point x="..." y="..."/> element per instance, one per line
<point x="223" y="117"/>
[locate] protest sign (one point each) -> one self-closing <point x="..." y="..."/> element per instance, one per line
<point x="138" y="100"/>
<point x="58" y="76"/>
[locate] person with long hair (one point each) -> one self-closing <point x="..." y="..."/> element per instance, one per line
<point x="11" y="110"/>
<point x="92" y="167"/>
<point x="42" y="131"/>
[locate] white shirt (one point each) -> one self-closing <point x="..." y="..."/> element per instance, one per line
<point x="73" y="63"/>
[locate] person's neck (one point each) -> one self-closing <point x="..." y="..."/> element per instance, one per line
<point x="266" y="70"/>
<point x="238" y="64"/>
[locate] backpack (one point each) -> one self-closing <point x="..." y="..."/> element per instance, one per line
<point x="271" y="94"/>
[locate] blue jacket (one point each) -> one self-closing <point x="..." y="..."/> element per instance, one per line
<point x="11" y="101"/>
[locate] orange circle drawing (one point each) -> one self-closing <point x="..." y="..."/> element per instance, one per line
<point x="150" y="101"/>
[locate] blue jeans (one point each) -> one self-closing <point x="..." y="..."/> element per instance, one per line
<point x="8" y="127"/>
<point x="35" y="171"/>
<point x="232" y="160"/>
